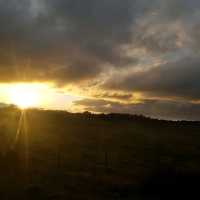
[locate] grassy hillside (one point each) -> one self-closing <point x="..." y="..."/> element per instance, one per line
<point x="59" y="155"/>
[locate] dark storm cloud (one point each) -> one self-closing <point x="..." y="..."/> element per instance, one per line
<point x="177" y="79"/>
<point x="158" y="109"/>
<point x="70" y="40"/>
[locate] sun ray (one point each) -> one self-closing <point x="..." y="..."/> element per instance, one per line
<point x="21" y="143"/>
<point x="19" y="127"/>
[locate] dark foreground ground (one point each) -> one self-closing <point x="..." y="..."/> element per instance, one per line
<point x="58" y="155"/>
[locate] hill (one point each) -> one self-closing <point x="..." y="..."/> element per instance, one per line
<point x="60" y="155"/>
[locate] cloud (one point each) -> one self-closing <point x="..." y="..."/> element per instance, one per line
<point x="123" y="46"/>
<point x="114" y="95"/>
<point x="70" y="41"/>
<point x="174" y="79"/>
<point x="63" y="40"/>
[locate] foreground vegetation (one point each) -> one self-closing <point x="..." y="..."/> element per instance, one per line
<point x="60" y="155"/>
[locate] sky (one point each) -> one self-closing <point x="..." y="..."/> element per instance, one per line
<point x="124" y="56"/>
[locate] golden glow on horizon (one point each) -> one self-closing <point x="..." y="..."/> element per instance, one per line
<point x="46" y="95"/>
<point x="35" y="94"/>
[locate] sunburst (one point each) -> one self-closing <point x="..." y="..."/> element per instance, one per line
<point x="24" y="95"/>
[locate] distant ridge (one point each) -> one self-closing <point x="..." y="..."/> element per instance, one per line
<point x="116" y="117"/>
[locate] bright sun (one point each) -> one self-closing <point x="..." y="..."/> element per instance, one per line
<point x="24" y="95"/>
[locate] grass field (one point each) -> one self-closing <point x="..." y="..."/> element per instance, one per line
<point x="60" y="155"/>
